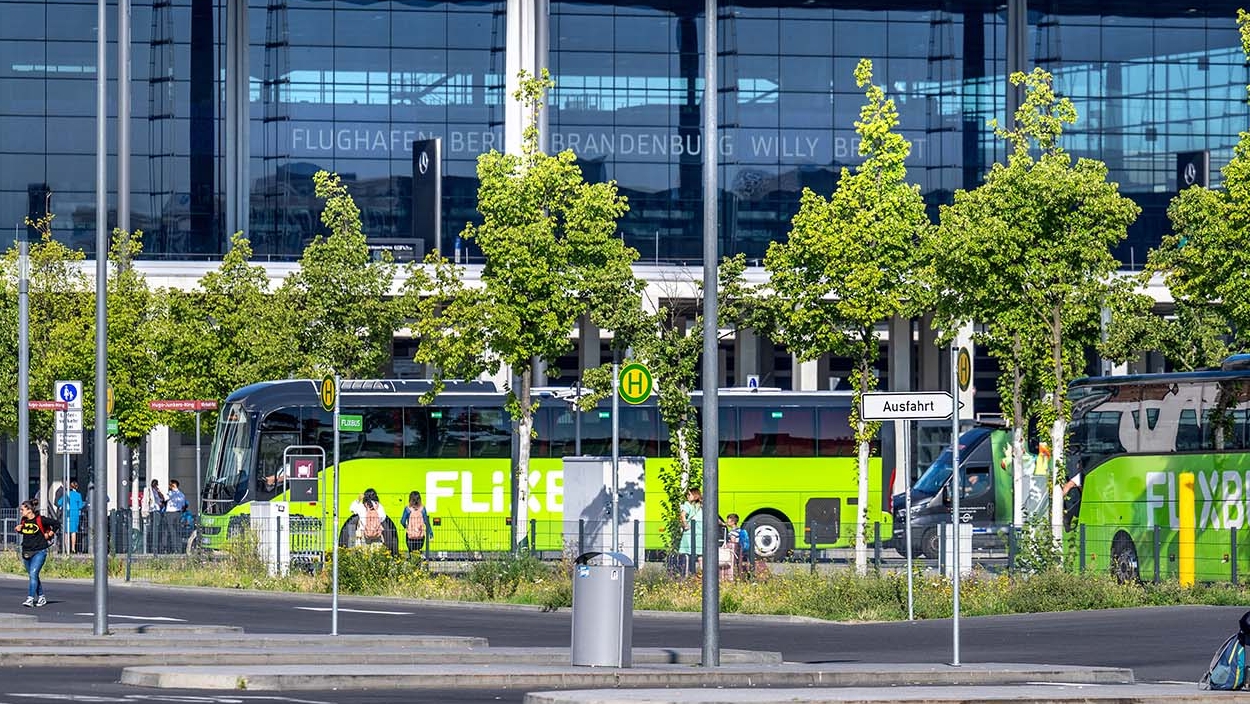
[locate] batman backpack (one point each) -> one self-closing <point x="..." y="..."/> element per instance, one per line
<point x="1228" y="667"/>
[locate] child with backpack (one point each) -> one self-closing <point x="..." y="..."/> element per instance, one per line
<point x="370" y="518"/>
<point x="416" y="522"/>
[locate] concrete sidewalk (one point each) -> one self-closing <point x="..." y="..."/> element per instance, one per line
<point x="509" y="675"/>
<point x="1015" y="694"/>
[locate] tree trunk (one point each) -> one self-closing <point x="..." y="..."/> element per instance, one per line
<point x="1017" y="436"/>
<point x="44" y="459"/>
<point x="861" y="509"/>
<point x="1057" y="430"/>
<point x="525" y="427"/>
<point x="683" y="457"/>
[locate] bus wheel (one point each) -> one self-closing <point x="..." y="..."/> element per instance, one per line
<point x="1124" y="559"/>
<point x="929" y="544"/>
<point x="771" y="537"/>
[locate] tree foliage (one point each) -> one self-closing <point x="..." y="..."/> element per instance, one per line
<point x="344" y="316"/>
<point x="1029" y="252"/>
<point x="552" y="256"/>
<point x="1206" y="262"/>
<point x="850" y="263"/>
<point x="135" y="329"/>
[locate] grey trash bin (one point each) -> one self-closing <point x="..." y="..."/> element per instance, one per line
<point x="603" y="609"/>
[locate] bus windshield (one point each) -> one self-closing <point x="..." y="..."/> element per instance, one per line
<point x="939" y="473"/>
<point x="231" y="455"/>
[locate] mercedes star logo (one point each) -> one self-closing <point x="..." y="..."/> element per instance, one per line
<point x="1191" y="173"/>
<point x="423" y="163"/>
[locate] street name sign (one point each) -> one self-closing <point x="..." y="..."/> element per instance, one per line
<point x="35" y="405"/>
<point x="907" y="405"/>
<point x="180" y="405"/>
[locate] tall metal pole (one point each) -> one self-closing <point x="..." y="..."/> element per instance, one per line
<point x="123" y="115"/>
<point x="198" y="485"/>
<point x="711" y="375"/>
<point x="616" y="449"/>
<point x="956" y="486"/>
<point x="23" y="369"/>
<point x="906" y="465"/>
<point x="99" y="517"/>
<point x="334" y="570"/>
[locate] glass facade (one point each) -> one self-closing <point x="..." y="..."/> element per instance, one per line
<point x="348" y="85"/>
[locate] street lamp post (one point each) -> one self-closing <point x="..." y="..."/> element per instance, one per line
<point x="23" y="369"/>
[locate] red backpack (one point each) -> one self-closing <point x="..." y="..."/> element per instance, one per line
<point x="372" y="527"/>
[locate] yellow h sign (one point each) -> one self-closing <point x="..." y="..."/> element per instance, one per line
<point x="635" y="383"/>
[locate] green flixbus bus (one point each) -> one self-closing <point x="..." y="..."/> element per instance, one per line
<point x="778" y="450"/>
<point x="1131" y="439"/>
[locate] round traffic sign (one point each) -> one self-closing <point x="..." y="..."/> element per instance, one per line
<point x="963" y="368"/>
<point x="635" y="383"/>
<point x="328" y="393"/>
<point x="69" y="392"/>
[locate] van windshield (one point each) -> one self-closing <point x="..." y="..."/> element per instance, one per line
<point x="939" y="473"/>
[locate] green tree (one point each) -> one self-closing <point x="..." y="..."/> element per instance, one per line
<point x="135" y="321"/>
<point x="345" y="317"/>
<point x="850" y="263"/>
<point x="1204" y="263"/>
<point x="1041" y="230"/>
<point x="62" y="344"/>
<point x="552" y="255"/>
<point x="229" y="332"/>
<point x="670" y="343"/>
<point x="1192" y="338"/>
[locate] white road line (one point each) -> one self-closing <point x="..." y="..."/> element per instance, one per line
<point x="137" y="618"/>
<point x="355" y="611"/>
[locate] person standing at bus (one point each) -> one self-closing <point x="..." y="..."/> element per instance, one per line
<point x="70" y="503"/>
<point x="154" y="507"/>
<point x="416" y="522"/>
<point x="37" y="533"/>
<point x="691" y="531"/>
<point x="370" y="518"/>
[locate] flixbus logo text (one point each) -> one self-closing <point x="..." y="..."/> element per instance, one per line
<point x="457" y="488"/>
<point x="1220" y="499"/>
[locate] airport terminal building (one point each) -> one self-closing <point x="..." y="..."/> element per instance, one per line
<point x="234" y="104"/>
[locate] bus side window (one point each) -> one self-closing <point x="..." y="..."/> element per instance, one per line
<point x="491" y="433"/>
<point x="270" y="472"/>
<point x="836" y="438"/>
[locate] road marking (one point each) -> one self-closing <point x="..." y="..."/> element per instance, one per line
<point x="177" y="699"/>
<point x="137" y="618"/>
<point x="355" y="611"/>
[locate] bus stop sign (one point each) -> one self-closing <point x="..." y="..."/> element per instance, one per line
<point x="635" y="383"/>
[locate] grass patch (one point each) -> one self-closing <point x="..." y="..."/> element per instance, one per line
<point x="839" y="596"/>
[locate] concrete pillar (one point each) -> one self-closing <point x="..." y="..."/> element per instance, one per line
<point x="807" y="375"/>
<point x="893" y="449"/>
<point x="746" y="356"/>
<point x="929" y="360"/>
<point x="158" y="457"/>
<point x="588" y="344"/>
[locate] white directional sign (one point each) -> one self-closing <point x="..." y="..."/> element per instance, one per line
<point x="907" y="405"/>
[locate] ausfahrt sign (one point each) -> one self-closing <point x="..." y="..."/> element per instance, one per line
<point x="907" y="405"/>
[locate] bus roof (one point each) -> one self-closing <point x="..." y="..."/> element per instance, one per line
<point x="1164" y="377"/>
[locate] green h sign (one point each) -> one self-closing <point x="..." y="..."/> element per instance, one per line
<point x="635" y="383"/>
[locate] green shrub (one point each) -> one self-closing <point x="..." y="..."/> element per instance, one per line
<point x="498" y="578"/>
<point x="372" y="569"/>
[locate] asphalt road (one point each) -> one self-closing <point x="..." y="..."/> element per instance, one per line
<point x="1159" y="644"/>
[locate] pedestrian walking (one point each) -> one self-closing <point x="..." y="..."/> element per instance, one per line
<point x="37" y="534"/>
<point x="71" y="503"/>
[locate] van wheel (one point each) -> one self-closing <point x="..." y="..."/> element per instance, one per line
<point x="771" y="537"/>
<point x="1124" y="565"/>
<point x="930" y="546"/>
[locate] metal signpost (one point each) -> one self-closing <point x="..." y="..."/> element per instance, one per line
<point x="329" y="393"/>
<point x="196" y="407"/>
<point x="68" y="438"/>
<point x="955" y="486"/>
<point x="908" y="406"/>
<point x="633" y="384"/>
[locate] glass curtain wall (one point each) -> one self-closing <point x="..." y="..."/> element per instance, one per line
<point x="47" y="121"/>
<point x="348" y="87"/>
